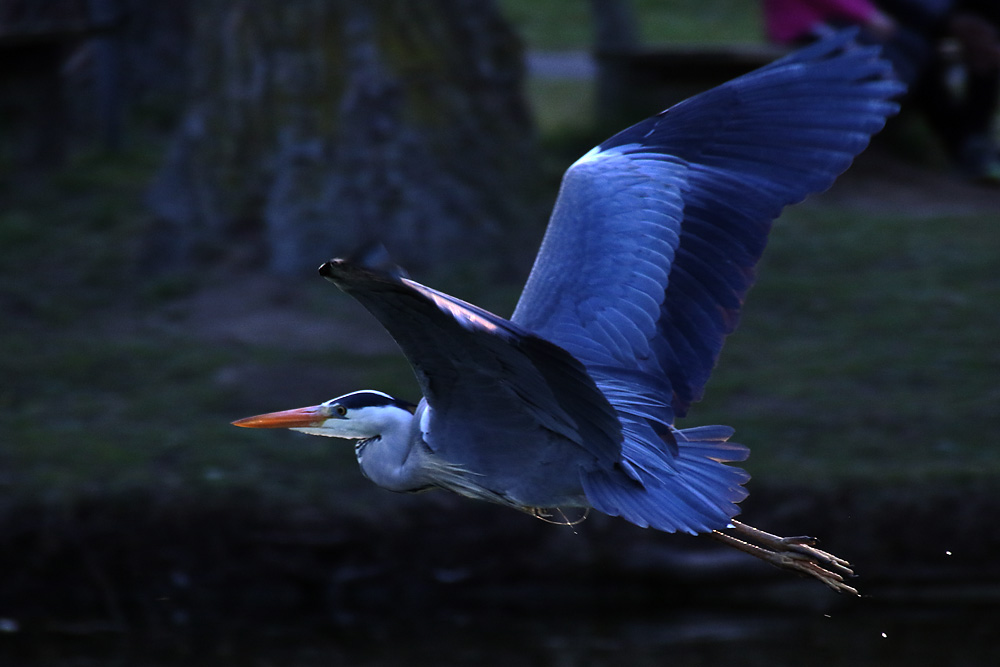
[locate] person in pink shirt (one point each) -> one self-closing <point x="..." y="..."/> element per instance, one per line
<point x="795" y="21"/>
<point x="909" y="32"/>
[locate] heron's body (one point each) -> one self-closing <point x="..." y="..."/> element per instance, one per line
<point x="642" y="273"/>
<point x="550" y="480"/>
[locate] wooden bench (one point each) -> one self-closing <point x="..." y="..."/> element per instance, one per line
<point x="634" y="83"/>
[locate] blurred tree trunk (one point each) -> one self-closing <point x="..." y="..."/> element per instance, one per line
<point x="616" y="33"/>
<point x="315" y="126"/>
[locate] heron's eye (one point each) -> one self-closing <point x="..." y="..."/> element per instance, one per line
<point x="340" y="410"/>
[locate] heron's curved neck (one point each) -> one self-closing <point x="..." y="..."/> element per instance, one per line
<point x="392" y="458"/>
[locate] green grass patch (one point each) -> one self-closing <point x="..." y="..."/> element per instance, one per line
<point x="563" y="108"/>
<point x="89" y="414"/>
<point x="556" y="25"/>
<point x="867" y="348"/>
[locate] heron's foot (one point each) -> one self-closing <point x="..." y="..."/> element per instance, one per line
<point x="557" y="516"/>
<point x="791" y="553"/>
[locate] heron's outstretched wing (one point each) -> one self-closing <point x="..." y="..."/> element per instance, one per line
<point x="489" y="376"/>
<point x="655" y="234"/>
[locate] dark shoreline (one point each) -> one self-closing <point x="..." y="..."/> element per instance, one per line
<point x="138" y="566"/>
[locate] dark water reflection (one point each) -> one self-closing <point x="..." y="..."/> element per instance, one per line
<point x="860" y="635"/>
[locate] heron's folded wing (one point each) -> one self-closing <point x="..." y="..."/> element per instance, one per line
<point x="488" y="375"/>
<point x="652" y="244"/>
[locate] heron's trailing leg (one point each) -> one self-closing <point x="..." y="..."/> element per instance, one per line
<point x="791" y="553"/>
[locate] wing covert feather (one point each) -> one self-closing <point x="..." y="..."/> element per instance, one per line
<point x="493" y="381"/>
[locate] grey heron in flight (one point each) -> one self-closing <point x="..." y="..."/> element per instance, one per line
<point x="641" y="275"/>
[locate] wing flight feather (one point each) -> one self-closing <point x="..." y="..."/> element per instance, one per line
<point x="652" y="244"/>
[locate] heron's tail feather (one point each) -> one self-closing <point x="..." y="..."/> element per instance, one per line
<point x="672" y="481"/>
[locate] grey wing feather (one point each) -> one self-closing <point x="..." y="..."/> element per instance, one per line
<point x="599" y="278"/>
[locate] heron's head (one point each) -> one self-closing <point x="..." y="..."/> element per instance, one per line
<point x="360" y="415"/>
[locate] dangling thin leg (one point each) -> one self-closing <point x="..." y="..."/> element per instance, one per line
<point x="791" y="553"/>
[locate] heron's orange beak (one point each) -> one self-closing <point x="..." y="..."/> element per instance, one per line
<point x="314" y="415"/>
